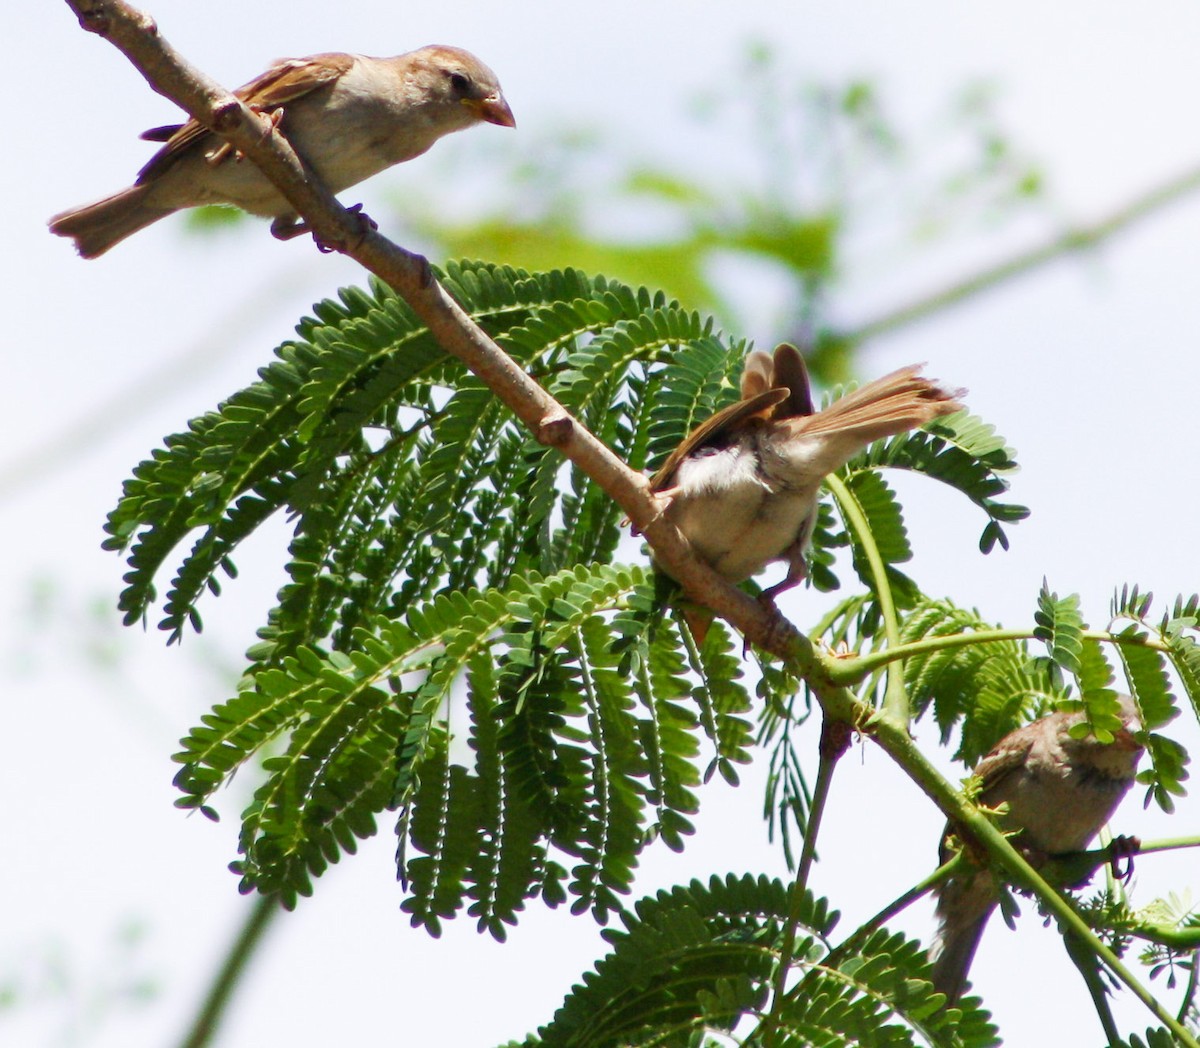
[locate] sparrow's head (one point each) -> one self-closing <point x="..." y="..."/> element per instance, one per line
<point x="454" y="78"/>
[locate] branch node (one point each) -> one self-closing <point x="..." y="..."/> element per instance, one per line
<point x="555" y="430"/>
<point x="226" y="115"/>
<point x="835" y="738"/>
<point x="779" y="634"/>
<point x="95" y="20"/>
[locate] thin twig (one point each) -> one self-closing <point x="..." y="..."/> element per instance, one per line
<point x="1081" y="238"/>
<point x="254" y="136"/>
<point x="835" y="738"/>
<point x="204" y="1026"/>
<point x="136" y="36"/>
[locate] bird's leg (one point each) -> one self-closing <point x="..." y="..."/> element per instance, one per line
<point x="797" y="572"/>
<point x="1123" y="849"/>
<point x="274" y="119"/>
<point x="288" y="227"/>
<point x="366" y="224"/>
<point x="219" y="155"/>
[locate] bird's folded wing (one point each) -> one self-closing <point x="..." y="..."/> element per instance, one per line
<point x="710" y="428"/>
<point x="284" y="82"/>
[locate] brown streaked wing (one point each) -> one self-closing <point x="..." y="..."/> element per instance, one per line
<point x="1000" y="762"/>
<point x="703" y="433"/>
<point x="284" y="82"/>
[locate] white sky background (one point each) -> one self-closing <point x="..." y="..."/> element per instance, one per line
<point x="1089" y="369"/>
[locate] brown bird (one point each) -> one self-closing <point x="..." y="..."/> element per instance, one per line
<point x="1059" y="791"/>
<point x="743" y="486"/>
<point x="348" y="116"/>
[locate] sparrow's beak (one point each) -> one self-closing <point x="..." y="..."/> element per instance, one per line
<point x="494" y="109"/>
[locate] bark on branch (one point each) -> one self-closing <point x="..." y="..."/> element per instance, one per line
<point x="136" y="35"/>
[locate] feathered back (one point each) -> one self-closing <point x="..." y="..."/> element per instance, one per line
<point x="772" y="388"/>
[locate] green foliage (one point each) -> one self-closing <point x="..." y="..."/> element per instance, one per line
<point x="814" y="159"/>
<point x="573" y="756"/>
<point x="590" y="720"/>
<point x="407" y="476"/>
<point x="589" y="717"/>
<point x="966" y="453"/>
<point x="1148" y="671"/>
<point x="1155" y="1038"/>
<point x="1060" y="628"/>
<point x="454" y="646"/>
<point x="701" y="959"/>
<point x="1170" y="927"/>
<point x="787" y="801"/>
<point x="990" y="688"/>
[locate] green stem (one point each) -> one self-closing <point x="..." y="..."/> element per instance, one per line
<point x="835" y="737"/>
<point x="1084" y="861"/>
<point x="942" y="873"/>
<point x="853" y="941"/>
<point x="212" y="1010"/>
<point x="853" y="670"/>
<point x="1085" y="961"/>
<point x="899" y="746"/>
<point x="895" y="701"/>
<point x="1169" y="844"/>
<point x="1166" y="935"/>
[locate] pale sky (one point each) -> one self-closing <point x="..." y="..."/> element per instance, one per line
<point x="1089" y="369"/>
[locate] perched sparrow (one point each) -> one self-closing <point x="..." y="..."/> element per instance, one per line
<point x="348" y="116"/>
<point x="743" y="486"/>
<point x="1060" y="791"/>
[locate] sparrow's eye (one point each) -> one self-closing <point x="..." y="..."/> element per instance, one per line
<point x="459" y="83"/>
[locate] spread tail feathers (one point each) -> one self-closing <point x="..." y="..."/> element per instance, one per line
<point x="97" y="227"/>
<point x="893" y="404"/>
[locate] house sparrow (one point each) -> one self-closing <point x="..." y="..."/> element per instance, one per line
<point x="743" y="486"/>
<point x="348" y="116"/>
<point x="1059" y="791"/>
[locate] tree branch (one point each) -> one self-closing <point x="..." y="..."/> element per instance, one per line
<point x="136" y="36"/>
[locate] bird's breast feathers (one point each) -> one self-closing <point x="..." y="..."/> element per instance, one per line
<point x="730" y="512"/>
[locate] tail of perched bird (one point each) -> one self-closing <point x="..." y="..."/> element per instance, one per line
<point x="97" y="227"/>
<point x="887" y="406"/>
<point x="744" y="484"/>
<point x="963" y="910"/>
